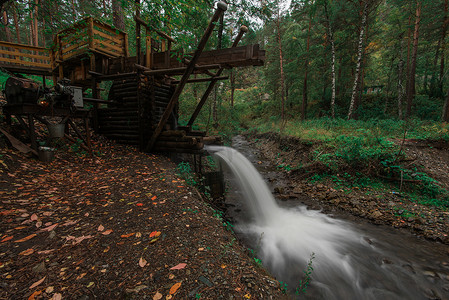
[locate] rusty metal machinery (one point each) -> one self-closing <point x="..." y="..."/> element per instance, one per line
<point x="26" y="91"/>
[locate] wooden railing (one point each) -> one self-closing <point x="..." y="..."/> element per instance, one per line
<point x="91" y="35"/>
<point x="25" y="56"/>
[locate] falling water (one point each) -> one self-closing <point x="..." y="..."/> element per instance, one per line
<point x="347" y="265"/>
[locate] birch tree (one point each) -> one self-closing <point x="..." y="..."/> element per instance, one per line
<point x="359" y="58"/>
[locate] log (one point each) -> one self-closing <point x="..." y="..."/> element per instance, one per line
<point x="177" y="133"/>
<point x="179" y="145"/>
<point x="188" y="151"/>
<point x="109" y="132"/>
<point x="100" y="101"/>
<point x="124" y="90"/>
<point x="115" y="76"/>
<point x="118" y="86"/>
<point x="123" y="136"/>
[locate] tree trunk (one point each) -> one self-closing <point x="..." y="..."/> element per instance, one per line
<point x="73" y="10"/>
<point x="400" y="85"/>
<point x="331" y="40"/>
<point x="445" y="116"/>
<point x="409" y="43"/>
<point x="232" y="87"/>
<point x="306" y="71"/>
<point x="443" y="44"/>
<point x="16" y="23"/>
<point x="359" y="60"/>
<point x="411" y="83"/>
<point x="36" y="30"/>
<point x="118" y="19"/>
<point x="219" y="43"/>
<point x="281" y="65"/>
<point x="6" y="24"/>
<point x="32" y="39"/>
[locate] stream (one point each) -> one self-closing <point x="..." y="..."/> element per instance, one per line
<point x="351" y="258"/>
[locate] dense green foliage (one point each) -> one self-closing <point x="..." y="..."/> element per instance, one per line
<point x="367" y="46"/>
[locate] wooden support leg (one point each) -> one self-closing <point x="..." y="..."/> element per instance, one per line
<point x="211" y="86"/>
<point x="23" y="124"/>
<point x="78" y="133"/>
<point x="32" y="133"/>
<point x="86" y="127"/>
<point x="221" y="8"/>
<point x="8" y="120"/>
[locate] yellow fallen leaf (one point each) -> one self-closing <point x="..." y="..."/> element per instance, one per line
<point x="100" y="228"/>
<point x="155" y="234"/>
<point x="127" y="235"/>
<point x="142" y="262"/>
<point x="107" y="232"/>
<point x="175" y="288"/>
<point x="27" y="252"/>
<point x="37" y="282"/>
<point x="26" y="238"/>
<point x="157" y="296"/>
<point x="34" y="295"/>
<point x="56" y="296"/>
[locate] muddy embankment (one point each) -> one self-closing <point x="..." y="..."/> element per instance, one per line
<point x="380" y="206"/>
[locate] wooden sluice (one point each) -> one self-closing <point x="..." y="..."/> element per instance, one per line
<point x="142" y="105"/>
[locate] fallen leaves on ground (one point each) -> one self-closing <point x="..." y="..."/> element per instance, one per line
<point x="84" y="226"/>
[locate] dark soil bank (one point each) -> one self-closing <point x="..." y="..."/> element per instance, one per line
<point x="379" y="207"/>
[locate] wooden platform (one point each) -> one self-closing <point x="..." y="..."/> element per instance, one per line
<point x="142" y="108"/>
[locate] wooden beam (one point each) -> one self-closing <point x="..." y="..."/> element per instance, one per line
<point x="202" y="79"/>
<point x="115" y="76"/>
<point x="221" y="8"/>
<point x="100" y="101"/>
<point x="150" y="28"/>
<point x="198" y="108"/>
<point x="182" y="69"/>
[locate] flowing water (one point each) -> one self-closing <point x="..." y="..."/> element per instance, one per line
<point x="351" y="261"/>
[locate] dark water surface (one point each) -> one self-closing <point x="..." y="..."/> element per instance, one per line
<point x="353" y="258"/>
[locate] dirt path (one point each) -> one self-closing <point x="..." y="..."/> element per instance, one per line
<point x="377" y="206"/>
<point x="120" y="225"/>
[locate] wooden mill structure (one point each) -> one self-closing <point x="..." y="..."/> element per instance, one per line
<point x="142" y="107"/>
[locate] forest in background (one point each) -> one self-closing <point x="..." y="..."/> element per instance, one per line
<point x="349" y="59"/>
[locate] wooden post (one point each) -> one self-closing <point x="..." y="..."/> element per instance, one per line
<point x="242" y="31"/>
<point x="61" y="60"/>
<point x="148" y="49"/>
<point x="221" y="8"/>
<point x="168" y="53"/>
<point x="90" y="32"/>
<point x="126" y="45"/>
<point x="138" y="51"/>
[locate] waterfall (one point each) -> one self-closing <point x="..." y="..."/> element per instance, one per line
<point x="345" y="266"/>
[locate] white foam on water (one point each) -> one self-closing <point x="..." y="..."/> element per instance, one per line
<point x="293" y="234"/>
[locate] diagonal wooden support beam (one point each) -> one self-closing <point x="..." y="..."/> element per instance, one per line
<point x="209" y="89"/>
<point x="221" y="8"/>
